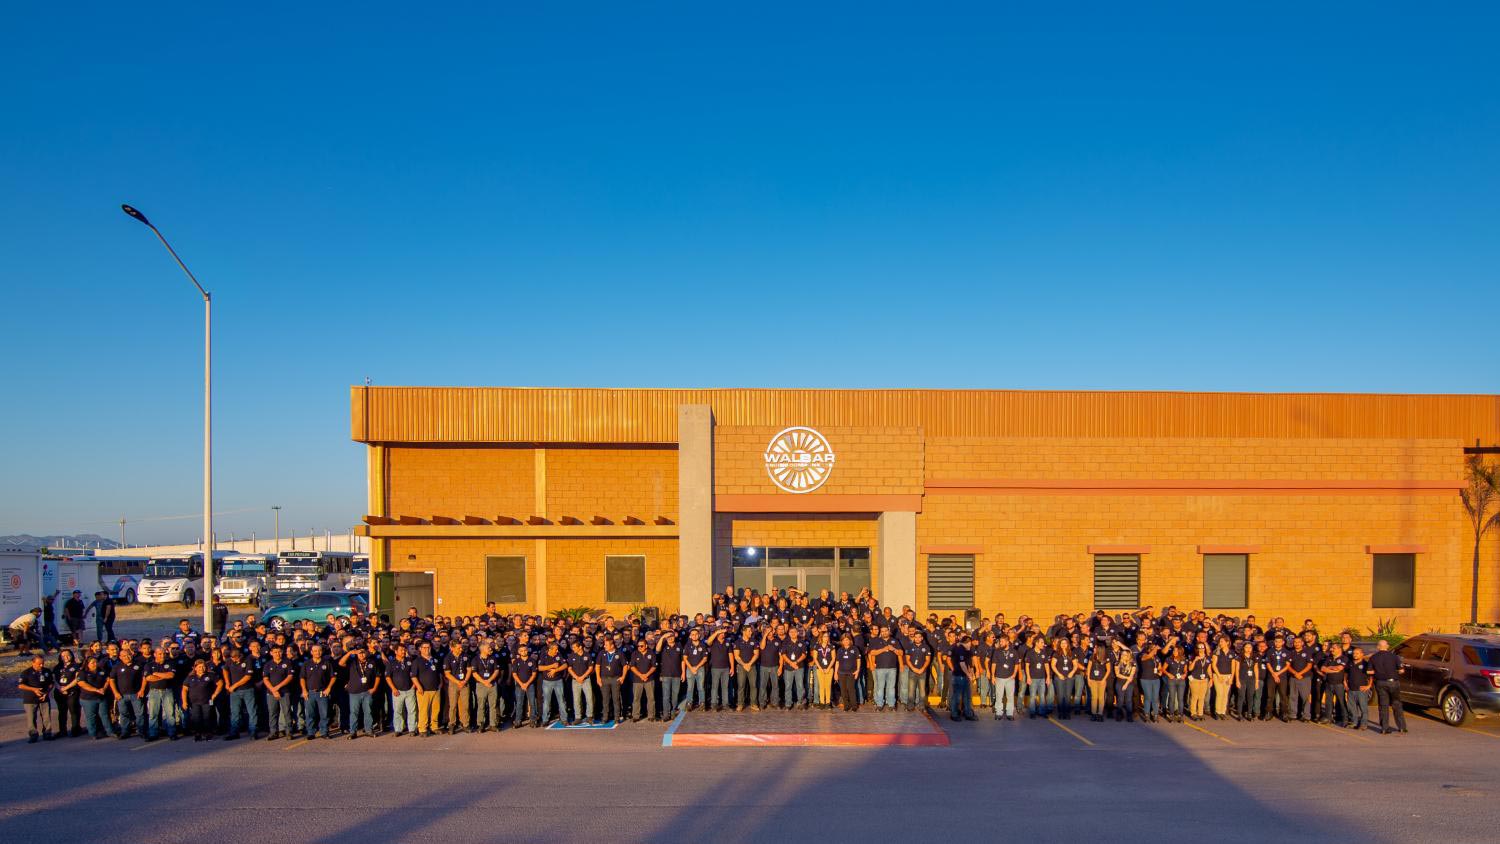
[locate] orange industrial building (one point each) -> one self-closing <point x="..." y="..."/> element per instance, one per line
<point x="1342" y="508"/>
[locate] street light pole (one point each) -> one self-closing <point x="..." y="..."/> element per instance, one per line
<point x="276" y="508"/>
<point x="208" y="458"/>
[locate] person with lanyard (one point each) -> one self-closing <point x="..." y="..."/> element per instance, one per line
<point x="276" y="677"/>
<point x="199" y="690"/>
<point x="1038" y="668"/>
<point x="398" y="679"/>
<point x="1360" y="683"/>
<point x="1099" y="673"/>
<point x="93" y="697"/>
<point x="160" y="681"/>
<point x="917" y="659"/>
<point x="36" y="685"/>
<point x="984" y="649"/>
<point x="65" y="694"/>
<point x="695" y="670"/>
<point x="1198" y="682"/>
<point x="1004" y="666"/>
<point x="1221" y="671"/>
<point x="1174" y="670"/>
<point x="1126" y="675"/>
<point x="315" y="677"/>
<point x="1386" y="667"/>
<point x="609" y="671"/>
<point x="359" y="682"/>
<point x="823" y="670"/>
<point x="746" y="653"/>
<point x="551" y="668"/>
<point x="1334" y="671"/>
<point x="126" y="679"/>
<point x="487" y="676"/>
<point x="427" y="679"/>
<point x="1247" y="683"/>
<point x="794" y="671"/>
<point x="1065" y="676"/>
<point x="523" y="677"/>
<point x="847" y="663"/>
<point x="1278" y="681"/>
<point x="581" y="671"/>
<point x="456" y="687"/>
<point x="643" y="669"/>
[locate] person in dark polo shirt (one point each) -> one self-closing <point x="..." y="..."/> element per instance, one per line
<point x="1005" y="664"/>
<point x="523" y="677"/>
<point x="160" y="681"/>
<point x="1300" y="669"/>
<point x="794" y="670"/>
<point x="36" y="685"/>
<point x="93" y="697"/>
<point x="1360" y="681"/>
<point x="199" y="690"/>
<point x="746" y="652"/>
<point x="768" y="669"/>
<point x="403" y="693"/>
<point x="720" y="667"/>
<point x="427" y="679"/>
<point x="487" y="678"/>
<point x="361" y="680"/>
<point x="847" y="662"/>
<point x="279" y="678"/>
<point x="643" y="669"/>
<point x="695" y="670"/>
<point x="1387" y="668"/>
<point x="671" y="671"/>
<point x="456" y="675"/>
<point x="581" y="672"/>
<point x="885" y="657"/>
<point x="238" y="675"/>
<point x="316" y="677"/>
<point x="609" y="670"/>
<point x="551" y="668"/>
<point x="917" y="656"/>
<point x="125" y="681"/>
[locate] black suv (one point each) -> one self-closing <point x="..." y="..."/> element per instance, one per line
<point x="1460" y="674"/>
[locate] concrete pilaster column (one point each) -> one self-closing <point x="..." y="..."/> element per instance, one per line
<point x="898" y="560"/>
<point x="695" y="507"/>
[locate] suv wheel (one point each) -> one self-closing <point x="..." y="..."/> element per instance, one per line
<point x="1455" y="709"/>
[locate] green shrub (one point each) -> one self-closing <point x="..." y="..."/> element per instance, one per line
<point x="1385" y="628"/>
<point x="574" y="613"/>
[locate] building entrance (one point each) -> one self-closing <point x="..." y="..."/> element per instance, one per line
<point x="811" y="581"/>
<point x="809" y="570"/>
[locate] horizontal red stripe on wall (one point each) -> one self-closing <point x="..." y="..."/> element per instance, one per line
<point x="1119" y="549"/>
<point x="1228" y="549"/>
<point x="1395" y="549"/>
<point x="1193" y="486"/>
<point x="952" y="549"/>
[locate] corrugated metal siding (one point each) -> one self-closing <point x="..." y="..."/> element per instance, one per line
<point x="1117" y="581"/>
<point x="950" y="582"/>
<point x="509" y="414"/>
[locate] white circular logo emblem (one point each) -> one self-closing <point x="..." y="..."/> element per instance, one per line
<point x="799" y="460"/>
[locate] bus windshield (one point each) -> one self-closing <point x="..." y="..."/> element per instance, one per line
<point x="298" y="566"/>
<point x="244" y="567"/>
<point x="167" y="569"/>
<point x="361" y="567"/>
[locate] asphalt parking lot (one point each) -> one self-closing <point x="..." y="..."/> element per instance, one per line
<point x="1031" y="779"/>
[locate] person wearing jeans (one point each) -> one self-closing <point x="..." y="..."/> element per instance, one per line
<point x="160" y="678"/>
<point x="1247" y="683"/>
<point x="960" y="664"/>
<point x="315" y="678"/>
<point x="1150" y="680"/>
<point x="126" y="680"/>
<point x="1175" y="671"/>
<point x="746" y="652"/>
<point x="794" y="670"/>
<point x="695" y="666"/>
<point x="523" y="677"/>
<point x="238" y="676"/>
<point x="1064" y="668"/>
<point x="277" y="677"/>
<point x="93" y="692"/>
<point x="1360" y="683"/>
<point x="642" y="670"/>
<point x="487" y="677"/>
<point x="917" y="657"/>
<point x="1038" y="668"/>
<point x="364" y="678"/>
<point x="581" y="671"/>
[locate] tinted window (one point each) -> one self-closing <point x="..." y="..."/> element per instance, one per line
<point x="1438" y="652"/>
<point x="1482" y="657"/>
<point x="1395" y="578"/>
<point x="1411" y="648"/>
<point x="625" y="580"/>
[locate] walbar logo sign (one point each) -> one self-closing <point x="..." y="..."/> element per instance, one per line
<point x="799" y="460"/>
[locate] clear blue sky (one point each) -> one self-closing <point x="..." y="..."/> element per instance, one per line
<point x="1295" y="197"/>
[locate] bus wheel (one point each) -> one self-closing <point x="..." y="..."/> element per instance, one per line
<point x="129" y="596"/>
<point x="187" y="599"/>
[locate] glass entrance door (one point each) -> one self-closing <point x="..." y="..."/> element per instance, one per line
<point x="786" y="579"/>
<point x="809" y="580"/>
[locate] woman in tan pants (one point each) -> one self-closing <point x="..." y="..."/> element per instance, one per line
<point x="1198" y="684"/>
<point x="1099" y="672"/>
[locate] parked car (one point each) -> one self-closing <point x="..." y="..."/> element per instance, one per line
<point x="1459" y="674"/>
<point x="317" y="606"/>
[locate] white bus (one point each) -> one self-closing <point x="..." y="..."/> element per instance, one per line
<point x="176" y="577"/>
<point x="359" y="574"/>
<point x="121" y="576"/>
<point x="300" y="572"/>
<point x="244" y="577"/>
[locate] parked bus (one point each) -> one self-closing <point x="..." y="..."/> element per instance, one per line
<point x="359" y="574"/>
<point x="244" y="578"/>
<point x="300" y="572"/>
<point x="121" y="576"/>
<point x="176" y="577"/>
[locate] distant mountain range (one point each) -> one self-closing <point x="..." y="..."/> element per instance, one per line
<point x="81" y="540"/>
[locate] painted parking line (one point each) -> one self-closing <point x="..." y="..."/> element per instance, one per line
<point x="297" y="743"/>
<point x="1480" y="732"/>
<point x="145" y="744"/>
<point x="1207" y="732"/>
<point x="1344" y="731"/>
<point x="1054" y="722"/>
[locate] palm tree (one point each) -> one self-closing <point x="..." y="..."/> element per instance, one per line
<point x="1483" y="491"/>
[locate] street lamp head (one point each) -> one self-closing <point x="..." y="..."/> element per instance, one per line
<point x="128" y="209"/>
